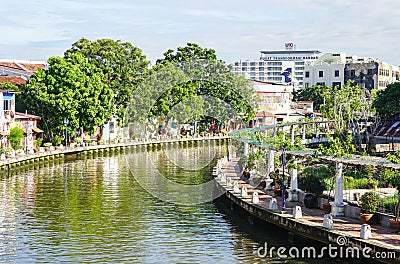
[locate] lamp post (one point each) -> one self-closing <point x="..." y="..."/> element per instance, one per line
<point x="66" y="121"/>
<point x="26" y="138"/>
<point x="283" y="158"/>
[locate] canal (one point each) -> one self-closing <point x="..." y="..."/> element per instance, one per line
<point x="96" y="210"/>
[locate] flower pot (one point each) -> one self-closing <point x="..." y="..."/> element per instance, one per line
<point x="366" y="218"/>
<point x="394" y="225"/>
<point x="310" y="201"/>
<point x="327" y="207"/>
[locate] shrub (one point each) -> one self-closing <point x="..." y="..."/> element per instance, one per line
<point x="311" y="184"/>
<point x="56" y="140"/>
<point x="39" y="142"/>
<point x="369" y="202"/>
<point x="389" y="203"/>
<point x="16" y="134"/>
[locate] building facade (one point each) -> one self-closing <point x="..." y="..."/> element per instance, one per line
<point x="278" y="66"/>
<point x="336" y="69"/>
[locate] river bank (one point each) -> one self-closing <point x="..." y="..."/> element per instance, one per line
<point x="310" y="225"/>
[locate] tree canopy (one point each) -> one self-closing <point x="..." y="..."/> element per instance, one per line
<point x="72" y="89"/>
<point x="387" y="102"/>
<point x="208" y="77"/>
<point x="122" y="64"/>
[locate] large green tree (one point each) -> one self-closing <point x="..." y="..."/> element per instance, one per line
<point x="72" y="89"/>
<point x="387" y="102"/>
<point x="210" y="78"/>
<point x="316" y="93"/>
<point x="122" y="64"/>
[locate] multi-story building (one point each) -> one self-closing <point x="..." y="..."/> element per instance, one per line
<point x="279" y="66"/>
<point x="336" y="69"/>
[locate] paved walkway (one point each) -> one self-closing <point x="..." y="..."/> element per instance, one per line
<point x="348" y="226"/>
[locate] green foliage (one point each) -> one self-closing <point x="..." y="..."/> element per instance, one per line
<point x="316" y="93"/>
<point x="391" y="176"/>
<point x="369" y="202"/>
<point x="209" y="78"/>
<point x="122" y="65"/>
<point x="387" y="102"/>
<point x="390" y="203"/>
<point x="72" y="89"/>
<point x="8" y="86"/>
<point x="39" y="142"/>
<point x="16" y="134"/>
<point x="395" y="157"/>
<point x="47" y="144"/>
<point x="311" y="183"/>
<point x="254" y="159"/>
<point x="56" y="140"/>
<point x="339" y="145"/>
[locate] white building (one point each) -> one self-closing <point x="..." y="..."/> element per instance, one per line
<point x="279" y="66"/>
<point x="336" y="69"/>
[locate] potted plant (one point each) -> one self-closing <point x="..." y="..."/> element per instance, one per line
<point x="56" y="140"/>
<point x="313" y="186"/>
<point x="369" y="205"/>
<point x="392" y="177"/>
<point x="47" y="146"/>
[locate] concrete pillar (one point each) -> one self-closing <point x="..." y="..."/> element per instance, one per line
<point x="246" y="149"/>
<point x="292" y="134"/>
<point x="270" y="168"/>
<point x="338" y="205"/>
<point x="271" y="155"/>
<point x="293" y="193"/>
<point x="304" y="132"/>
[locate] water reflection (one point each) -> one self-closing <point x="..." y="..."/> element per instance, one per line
<point x="93" y="210"/>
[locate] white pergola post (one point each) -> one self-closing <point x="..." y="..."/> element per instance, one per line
<point x="338" y="205"/>
<point x="293" y="193"/>
<point x="304" y="132"/>
<point x="246" y="149"/>
<point x="292" y="134"/>
<point x="271" y="155"/>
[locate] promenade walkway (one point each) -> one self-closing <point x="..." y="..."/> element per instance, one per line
<point x="344" y="226"/>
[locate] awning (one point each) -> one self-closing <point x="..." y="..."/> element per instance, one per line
<point x="4" y="134"/>
<point x="37" y="130"/>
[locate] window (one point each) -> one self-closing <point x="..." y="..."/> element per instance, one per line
<point x="261" y="74"/>
<point x="236" y="63"/>
<point x="262" y="79"/>
<point x="299" y="63"/>
<point x="352" y="73"/>
<point x="306" y="85"/>
<point x="252" y="74"/>
<point x="321" y="83"/>
<point x="244" y="68"/>
<point x="261" y="68"/>
<point x="261" y="63"/>
<point x="244" y="63"/>
<point x="334" y="84"/>
<point x="252" y="68"/>
<point x="7" y="105"/>
<point x="307" y="74"/>
<point x="336" y="74"/>
<point x="252" y="64"/>
<point x="321" y="74"/>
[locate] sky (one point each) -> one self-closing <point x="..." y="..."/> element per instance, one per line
<point x="236" y="29"/>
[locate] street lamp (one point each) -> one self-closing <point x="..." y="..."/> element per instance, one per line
<point x="66" y="121"/>
<point x="26" y="138"/>
<point x="283" y="159"/>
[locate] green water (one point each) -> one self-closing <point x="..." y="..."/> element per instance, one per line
<point x="93" y="210"/>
